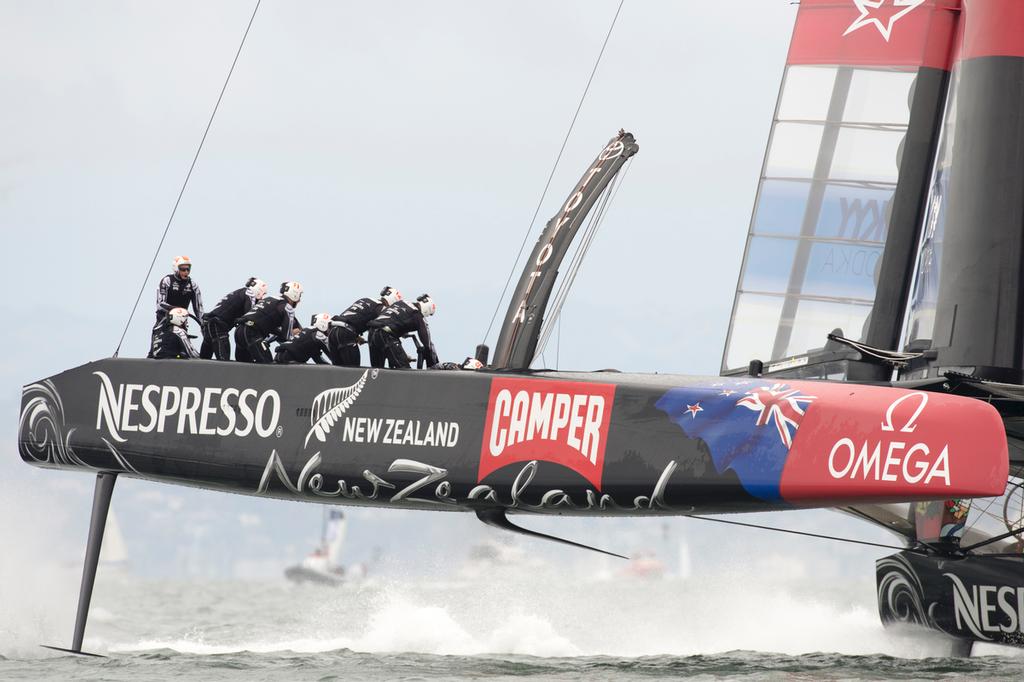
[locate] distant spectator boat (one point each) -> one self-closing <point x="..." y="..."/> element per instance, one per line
<point x="323" y="565"/>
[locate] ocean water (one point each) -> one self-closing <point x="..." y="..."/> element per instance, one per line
<point x="494" y="624"/>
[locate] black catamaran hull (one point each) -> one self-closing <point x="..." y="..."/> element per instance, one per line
<point x="976" y="598"/>
<point x="589" y="443"/>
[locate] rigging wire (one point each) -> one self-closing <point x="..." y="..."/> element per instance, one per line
<point x="804" y="533"/>
<point x="551" y="175"/>
<point x="995" y="538"/>
<point x="558" y="343"/>
<point x="570" y="275"/>
<point x="589" y="233"/>
<point x="983" y="513"/>
<point x="1010" y="485"/>
<point x="562" y="293"/>
<point x="187" y="177"/>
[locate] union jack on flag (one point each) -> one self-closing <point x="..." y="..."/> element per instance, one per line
<point x="747" y="426"/>
<point x="780" y="405"/>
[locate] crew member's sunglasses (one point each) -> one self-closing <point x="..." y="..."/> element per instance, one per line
<point x="184" y="268"/>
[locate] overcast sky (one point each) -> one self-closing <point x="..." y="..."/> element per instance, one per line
<point x="361" y="144"/>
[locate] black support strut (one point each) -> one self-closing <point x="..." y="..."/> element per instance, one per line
<point x="100" y="506"/>
<point x="498" y="519"/>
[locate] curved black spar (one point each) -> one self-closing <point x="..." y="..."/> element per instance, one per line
<point x="542" y="442"/>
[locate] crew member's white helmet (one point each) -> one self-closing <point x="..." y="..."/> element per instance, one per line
<point x="178" y="317"/>
<point x="182" y="260"/>
<point x="472" y="363"/>
<point x="390" y="295"/>
<point x="322" y="321"/>
<point x="258" y="289"/>
<point x="426" y="305"/>
<point x="292" y="291"/>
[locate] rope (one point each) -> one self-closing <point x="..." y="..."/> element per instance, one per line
<point x="891" y="356"/>
<point x="551" y="176"/>
<point x="805" y="534"/>
<point x="187" y="177"/>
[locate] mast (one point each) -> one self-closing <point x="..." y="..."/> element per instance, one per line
<point x="968" y="308"/>
<point x="517" y="341"/>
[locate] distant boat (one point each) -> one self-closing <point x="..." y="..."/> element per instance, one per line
<point x="323" y="565"/>
<point x="644" y="564"/>
<point x="113" y="553"/>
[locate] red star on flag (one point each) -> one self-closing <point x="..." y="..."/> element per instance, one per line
<point x="694" y="409"/>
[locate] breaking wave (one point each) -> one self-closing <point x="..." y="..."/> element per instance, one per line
<point x="558" y="617"/>
<point x="550" y="611"/>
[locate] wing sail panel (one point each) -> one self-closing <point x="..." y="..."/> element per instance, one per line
<point x="835" y="223"/>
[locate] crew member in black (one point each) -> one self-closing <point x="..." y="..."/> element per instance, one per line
<point x="402" y="318"/>
<point x="347" y="328"/>
<point x="170" y="337"/>
<point x="218" y="322"/>
<point x="308" y="344"/>
<point x="178" y="290"/>
<point x="272" y="318"/>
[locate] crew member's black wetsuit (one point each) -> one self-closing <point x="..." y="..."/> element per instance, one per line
<point x="170" y="341"/>
<point x="387" y="330"/>
<point x="309" y="344"/>
<point x="271" y="318"/>
<point x="343" y="339"/>
<point x="175" y="292"/>
<point x="218" y="323"/>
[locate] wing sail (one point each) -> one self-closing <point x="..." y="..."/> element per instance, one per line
<point x="836" y="221"/>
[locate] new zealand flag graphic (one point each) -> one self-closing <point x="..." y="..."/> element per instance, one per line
<point x="747" y="428"/>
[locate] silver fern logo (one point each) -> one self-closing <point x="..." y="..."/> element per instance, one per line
<point x="330" y="405"/>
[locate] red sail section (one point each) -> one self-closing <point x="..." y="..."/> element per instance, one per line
<point x="870" y="442"/>
<point x="910" y="33"/>
<point x="992" y="28"/>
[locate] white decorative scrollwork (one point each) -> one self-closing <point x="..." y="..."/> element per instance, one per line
<point x="41" y="429"/>
<point x="900" y="592"/>
<point x="43" y="434"/>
